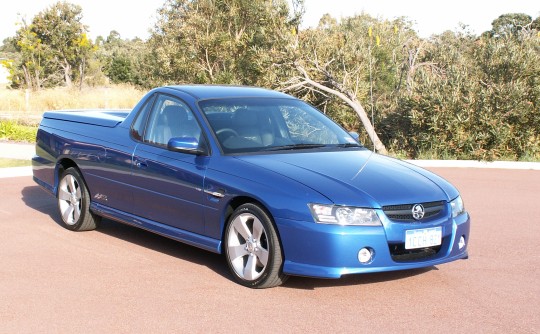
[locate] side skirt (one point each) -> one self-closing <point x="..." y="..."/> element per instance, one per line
<point x="190" y="238"/>
<point x="45" y="186"/>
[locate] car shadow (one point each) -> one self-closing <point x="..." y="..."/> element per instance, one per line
<point x="36" y="198"/>
<point x="158" y="243"/>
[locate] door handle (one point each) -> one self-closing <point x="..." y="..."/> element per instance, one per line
<point x="140" y="164"/>
<point x="218" y="194"/>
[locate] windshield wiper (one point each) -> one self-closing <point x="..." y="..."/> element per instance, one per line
<point x="348" y="145"/>
<point x="294" y="147"/>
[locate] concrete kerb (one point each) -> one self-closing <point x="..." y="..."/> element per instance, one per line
<point x="15" y="172"/>
<point x="476" y="164"/>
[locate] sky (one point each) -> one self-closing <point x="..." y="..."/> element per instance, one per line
<point x="134" y="18"/>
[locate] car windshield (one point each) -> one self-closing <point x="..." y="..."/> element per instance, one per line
<point x="250" y="125"/>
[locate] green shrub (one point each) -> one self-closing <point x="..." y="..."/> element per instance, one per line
<point x="12" y="130"/>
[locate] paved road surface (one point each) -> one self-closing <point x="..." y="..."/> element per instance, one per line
<point x="122" y="280"/>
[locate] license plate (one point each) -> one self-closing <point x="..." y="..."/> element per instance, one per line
<point x="424" y="237"/>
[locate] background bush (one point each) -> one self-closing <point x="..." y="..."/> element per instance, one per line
<point x="481" y="102"/>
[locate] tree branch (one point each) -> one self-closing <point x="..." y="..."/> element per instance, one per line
<point x="352" y="101"/>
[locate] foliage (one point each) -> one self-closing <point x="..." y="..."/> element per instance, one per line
<point x="358" y="56"/>
<point x="481" y="101"/>
<point x="509" y="25"/>
<point x="12" y="130"/>
<point x="220" y="41"/>
<point x="122" y="60"/>
<point x="8" y="51"/>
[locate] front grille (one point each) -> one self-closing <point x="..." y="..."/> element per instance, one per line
<point x="400" y="254"/>
<point x="403" y="212"/>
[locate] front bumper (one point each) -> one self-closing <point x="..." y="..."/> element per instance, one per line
<point x="330" y="251"/>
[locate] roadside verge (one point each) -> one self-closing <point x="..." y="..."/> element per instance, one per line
<point x="476" y="164"/>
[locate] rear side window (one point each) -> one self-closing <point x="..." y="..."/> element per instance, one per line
<point x="138" y="127"/>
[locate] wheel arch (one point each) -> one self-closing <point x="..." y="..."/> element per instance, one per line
<point x="61" y="166"/>
<point x="85" y="220"/>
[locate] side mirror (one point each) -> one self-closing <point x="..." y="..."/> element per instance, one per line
<point x="189" y="145"/>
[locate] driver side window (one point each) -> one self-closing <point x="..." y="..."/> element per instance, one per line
<point x="170" y="118"/>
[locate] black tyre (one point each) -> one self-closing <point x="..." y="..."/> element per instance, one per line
<point x="74" y="202"/>
<point x="252" y="248"/>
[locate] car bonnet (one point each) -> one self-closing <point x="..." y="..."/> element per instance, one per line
<point x="358" y="177"/>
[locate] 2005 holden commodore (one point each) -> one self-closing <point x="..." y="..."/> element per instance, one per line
<point x="257" y="175"/>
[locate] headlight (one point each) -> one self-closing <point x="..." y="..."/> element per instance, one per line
<point x="344" y="215"/>
<point x="457" y="207"/>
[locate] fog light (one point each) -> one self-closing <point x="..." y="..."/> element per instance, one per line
<point x="365" y="255"/>
<point x="461" y="243"/>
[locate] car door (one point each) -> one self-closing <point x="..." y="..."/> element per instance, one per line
<point x="167" y="185"/>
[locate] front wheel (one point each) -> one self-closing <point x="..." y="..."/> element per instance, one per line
<point x="74" y="202"/>
<point x="252" y="248"/>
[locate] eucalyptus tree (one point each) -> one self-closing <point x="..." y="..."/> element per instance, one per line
<point x="53" y="45"/>
<point x="357" y="61"/>
<point x="510" y="24"/>
<point x="221" y="41"/>
<point x="123" y="60"/>
<point x="31" y="68"/>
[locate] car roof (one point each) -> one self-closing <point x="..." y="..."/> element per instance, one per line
<point x="202" y="92"/>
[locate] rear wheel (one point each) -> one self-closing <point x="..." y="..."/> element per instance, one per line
<point x="252" y="248"/>
<point x="74" y="202"/>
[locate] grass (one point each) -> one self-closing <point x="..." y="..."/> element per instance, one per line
<point x="29" y="104"/>
<point x="22" y="109"/>
<point x="5" y="163"/>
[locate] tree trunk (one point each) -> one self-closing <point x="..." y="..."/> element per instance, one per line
<point x="67" y="73"/>
<point x="27" y="78"/>
<point x="82" y="69"/>
<point x="353" y="102"/>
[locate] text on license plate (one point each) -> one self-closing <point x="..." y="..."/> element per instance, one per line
<point x="424" y="237"/>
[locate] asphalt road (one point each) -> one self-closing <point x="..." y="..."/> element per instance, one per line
<point x="119" y="279"/>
